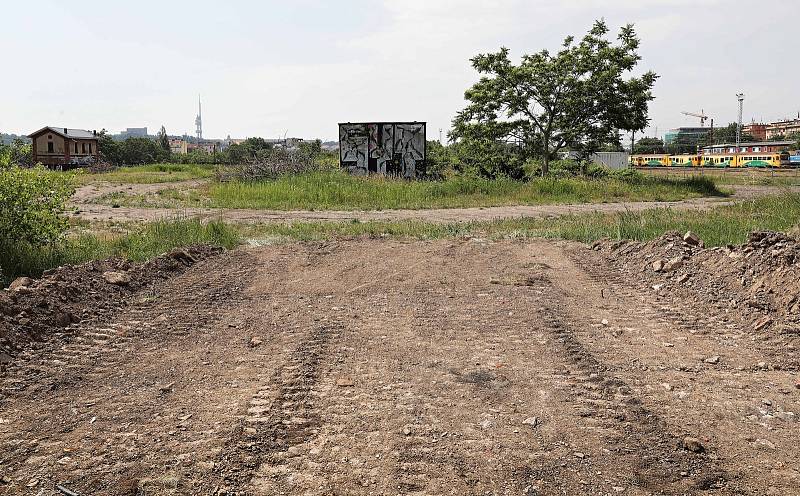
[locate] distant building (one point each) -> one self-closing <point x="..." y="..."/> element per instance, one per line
<point x="64" y="147"/>
<point x="205" y="146"/>
<point x="686" y="136"/>
<point x="134" y="132"/>
<point x="783" y="128"/>
<point x="751" y="147"/>
<point x="178" y="146"/>
<point x="756" y="130"/>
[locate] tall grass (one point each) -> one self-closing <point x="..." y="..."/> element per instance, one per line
<point x="718" y="226"/>
<point x="339" y="191"/>
<point x="140" y="243"/>
<point x="151" y="174"/>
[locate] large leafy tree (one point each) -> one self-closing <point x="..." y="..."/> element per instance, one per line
<point x="578" y="97"/>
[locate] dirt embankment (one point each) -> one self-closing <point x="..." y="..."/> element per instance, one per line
<point x="756" y="285"/>
<point x="31" y="309"/>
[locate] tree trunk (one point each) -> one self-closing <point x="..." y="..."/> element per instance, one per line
<point x="546" y="161"/>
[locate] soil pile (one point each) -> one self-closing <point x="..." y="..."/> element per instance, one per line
<point x="31" y="308"/>
<point x="756" y="284"/>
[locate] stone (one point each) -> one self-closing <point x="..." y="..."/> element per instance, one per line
<point x="345" y="382"/>
<point x="673" y="264"/>
<point x="712" y="360"/>
<point x="761" y="324"/>
<point x="534" y="422"/>
<point x="658" y="287"/>
<point x="406" y="431"/>
<point x="20" y="282"/>
<point x="658" y="265"/>
<point x="692" y="444"/>
<point x="255" y="342"/>
<point x="692" y="239"/>
<point x="117" y="278"/>
<point x="684" y="279"/>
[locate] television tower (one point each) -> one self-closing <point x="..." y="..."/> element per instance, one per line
<point x="199" y="120"/>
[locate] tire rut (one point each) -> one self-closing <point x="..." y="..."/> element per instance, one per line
<point x="281" y="415"/>
<point x="640" y="437"/>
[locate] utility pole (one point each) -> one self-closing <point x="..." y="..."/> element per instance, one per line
<point x="740" y="96"/>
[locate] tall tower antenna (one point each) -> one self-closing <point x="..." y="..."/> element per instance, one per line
<point x="740" y="96"/>
<point x="199" y="120"/>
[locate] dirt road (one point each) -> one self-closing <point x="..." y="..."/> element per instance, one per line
<point x="87" y="210"/>
<point x="372" y="367"/>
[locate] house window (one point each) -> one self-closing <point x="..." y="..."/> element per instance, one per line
<point x="90" y="148"/>
<point x="50" y="147"/>
<point x="83" y="147"/>
<point x="76" y="147"/>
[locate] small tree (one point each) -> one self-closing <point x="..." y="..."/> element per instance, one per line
<point x="163" y="140"/>
<point x="577" y="97"/>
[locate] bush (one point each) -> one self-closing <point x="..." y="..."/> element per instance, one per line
<point x="31" y="204"/>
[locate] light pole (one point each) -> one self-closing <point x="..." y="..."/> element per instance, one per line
<point x="740" y="96"/>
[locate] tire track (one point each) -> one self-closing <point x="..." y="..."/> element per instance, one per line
<point x="281" y="415"/>
<point x="639" y="437"/>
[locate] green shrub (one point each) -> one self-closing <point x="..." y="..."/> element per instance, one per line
<point x="31" y="204"/>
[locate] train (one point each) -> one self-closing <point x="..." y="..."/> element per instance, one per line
<point x="771" y="160"/>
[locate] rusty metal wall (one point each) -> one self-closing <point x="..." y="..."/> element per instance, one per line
<point x="392" y="148"/>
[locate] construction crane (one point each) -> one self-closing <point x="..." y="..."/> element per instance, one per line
<point x="703" y="117"/>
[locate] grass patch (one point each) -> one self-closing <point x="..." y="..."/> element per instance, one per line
<point x="340" y="191"/>
<point x="165" y="198"/>
<point x="150" y="174"/>
<point x="141" y="242"/>
<point x="719" y="226"/>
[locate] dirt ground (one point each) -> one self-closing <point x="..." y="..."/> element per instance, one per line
<point x="86" y="209"/>
<point x="382" y="367"/>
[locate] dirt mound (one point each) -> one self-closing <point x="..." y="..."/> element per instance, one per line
<point x="30" y="309"/>
<point x="756" y="284"/>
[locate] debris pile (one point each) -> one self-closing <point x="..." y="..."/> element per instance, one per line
<point x="32" y="308"/>
<point x="757" y="283"/>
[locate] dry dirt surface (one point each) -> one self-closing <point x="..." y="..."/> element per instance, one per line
<point x="86" y="210"/>
<point x="382" y="367"/>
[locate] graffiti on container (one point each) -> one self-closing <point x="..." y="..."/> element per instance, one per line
<point x="392" y="148"/>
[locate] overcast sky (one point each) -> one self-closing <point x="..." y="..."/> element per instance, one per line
<point x="267" y="67"/>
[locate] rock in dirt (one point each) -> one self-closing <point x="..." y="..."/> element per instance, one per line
<point x="692" y="444"/>
<point x="20" y="282"/>
<point x="762" y="323"/>
<point x="534" y="422"/>
<point x="256" y="341"/>
<point x="712" y="360"/>
<point x="658" y="265"/>
<point x="692" y="239"/>
<point x="117" y="278"/>
<point x="673" y="264"/>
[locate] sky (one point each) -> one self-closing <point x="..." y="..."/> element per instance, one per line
<point x="268" y="68"/>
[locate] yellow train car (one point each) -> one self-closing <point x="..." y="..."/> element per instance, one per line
<point x="658" y="160"/>
<point x="685" y="160"/>
<point x="752" y="159"/>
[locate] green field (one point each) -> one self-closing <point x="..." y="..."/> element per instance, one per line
<point x="149" y="174"/>
<point x="717" y="227"/>
<point x="339" y="191"/>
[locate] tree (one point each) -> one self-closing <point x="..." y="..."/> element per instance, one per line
<point x="649" y="145"/>
<point x="727" y="134"/>
<point x="577" y="97"/>
<point x="163" y="140"/>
